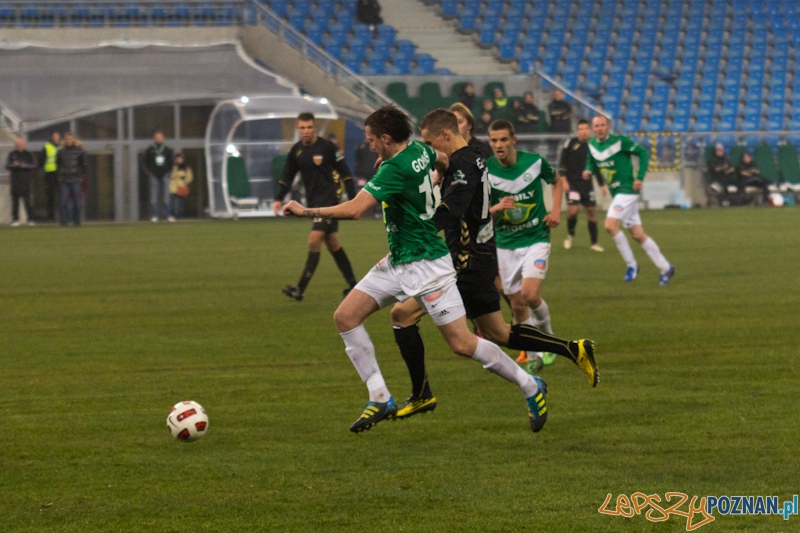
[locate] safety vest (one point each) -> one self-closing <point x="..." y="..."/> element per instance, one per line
<point x="50" y="161"/>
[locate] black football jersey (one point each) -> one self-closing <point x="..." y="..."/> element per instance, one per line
<point x="464" y="211"/>
<point x="322" y="169"/>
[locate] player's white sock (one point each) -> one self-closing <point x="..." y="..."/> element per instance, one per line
<point x="655" y="254"/>
<point x="541" y="318"/>
<point x="497" y="362"/>
<point x="361" y="352"/>
<point x="624" y="248"/>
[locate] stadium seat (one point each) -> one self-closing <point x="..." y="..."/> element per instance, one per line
<point x="788" y="165"/>
<point x="765" y="161"/>
<point x="397" y="91"/>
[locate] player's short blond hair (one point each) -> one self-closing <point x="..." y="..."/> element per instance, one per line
<point x="464" y="111"/>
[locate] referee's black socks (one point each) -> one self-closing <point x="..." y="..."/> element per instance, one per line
<point x="571" y="223"/>
<point x="344" y="267"/>
<point x="530" y="339"/>
<point x="413" y="351"/>
<point x="593" y="231"/>
<point x="311" y="265"/>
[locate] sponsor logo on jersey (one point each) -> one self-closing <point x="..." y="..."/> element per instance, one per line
<point x="618" y="209"/>
<point x="459" y="176"/>
<point x="318" y="160"/>
<point x="541" y="264"/>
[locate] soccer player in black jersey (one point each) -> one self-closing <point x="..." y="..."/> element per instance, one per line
<point x="469" y="232"/>
<point x="579" y="190"/>
<point x="324" y="172"/>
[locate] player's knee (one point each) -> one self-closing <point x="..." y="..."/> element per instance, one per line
<point x="496" y="335"/>
<point x="344" y="320"/>
<point x="462" y="347"/>
<point x="400" y="317"/>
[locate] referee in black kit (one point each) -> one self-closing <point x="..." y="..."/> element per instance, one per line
<point x="324" y="172"/>
<point x="579" y="190"/>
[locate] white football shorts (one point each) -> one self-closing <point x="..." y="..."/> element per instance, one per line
<point x="529" y="262"/>
<point x="625" y="207"/>
<point x="431" y="282"/>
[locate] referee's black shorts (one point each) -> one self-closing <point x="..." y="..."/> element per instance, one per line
<point x="476" y="285"/>
<point x="327" y="225"/>
<point x="581" y="192"/>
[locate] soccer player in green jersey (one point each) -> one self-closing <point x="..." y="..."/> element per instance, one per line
<point x="418" y="266"/>
<point x="610" y="156"/>
<point x="522" y="224"/>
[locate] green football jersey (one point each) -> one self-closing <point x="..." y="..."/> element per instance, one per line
<point x="404" y="186"/>
<point x="524" y="224"/>
<point x="612" y="160"/>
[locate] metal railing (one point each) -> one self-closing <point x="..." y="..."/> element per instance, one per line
<point x="259" y="14"/>
<point x="143" y="13"/>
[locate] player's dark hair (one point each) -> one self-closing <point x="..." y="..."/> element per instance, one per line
<point x="464" y="111"/>
<point x="438" y="120"/>
<point x="390" y="121"/>
<point x="305" y="116"/>
<point x="499" y="125"/>
<point x="583" y="121"/>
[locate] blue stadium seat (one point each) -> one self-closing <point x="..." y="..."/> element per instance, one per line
<point x="387" y="32"/>
<point x="405" y="48"/>
<point x="425" y="62"/>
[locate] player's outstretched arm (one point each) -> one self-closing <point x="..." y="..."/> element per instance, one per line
<point x="351" y="209"/>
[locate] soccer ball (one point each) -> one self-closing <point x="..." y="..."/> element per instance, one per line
<point x="187" y="421"/>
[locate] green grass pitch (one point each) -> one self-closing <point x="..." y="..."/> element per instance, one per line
<point x="104" y="328"/>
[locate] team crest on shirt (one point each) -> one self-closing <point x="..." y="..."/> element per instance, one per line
<point x="527" y="177"/>
<point x="318" y="160"/>
<point x="299" y="151"/>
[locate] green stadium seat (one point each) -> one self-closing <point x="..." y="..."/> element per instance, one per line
<point x="762" y="157"/>
<point x="431" y="93"/>
<point x="543" y="126"/>
<point x="398" y="91"/>
<point x="455" y="90"/>
<point x="488" y="89"/>
<point x="278" y="162"/>
<point x="736" y="154"/>
<point x="788" y="164"/>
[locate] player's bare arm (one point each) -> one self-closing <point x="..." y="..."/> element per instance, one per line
<point x="637" y="185"/>
<point x="350" y="210"/>
<point x="507" y="202"/>
<point x="553" y="219"/>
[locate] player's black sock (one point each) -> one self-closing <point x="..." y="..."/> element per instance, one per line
<point x="344" y="266"/>
<point x="311" y="265"/>
<point x="413" y="351"/>
<point x="593" y="231"/>
<point x="530" y="339"/>
<point x="571" y="223"/>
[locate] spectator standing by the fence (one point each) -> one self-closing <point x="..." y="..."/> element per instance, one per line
<point x="158" y="161"/>
<point x="560" y="113"/>
<point x="179" y="183"/>
<point x="49" y="153"/>
<point x="21" y="164"/>
<point x="71" y="162"/>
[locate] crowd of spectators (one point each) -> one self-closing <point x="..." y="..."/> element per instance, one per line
<point x="520" y="111"/>
<point x="63" y="163"/>
<point x="734" y="185"/>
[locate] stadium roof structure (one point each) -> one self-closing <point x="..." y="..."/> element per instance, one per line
<point x="43" y="85"/>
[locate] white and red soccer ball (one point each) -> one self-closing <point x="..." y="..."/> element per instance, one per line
<point x="187" y="421"/>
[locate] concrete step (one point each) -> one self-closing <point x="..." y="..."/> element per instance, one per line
<point x="433" y="35"/>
